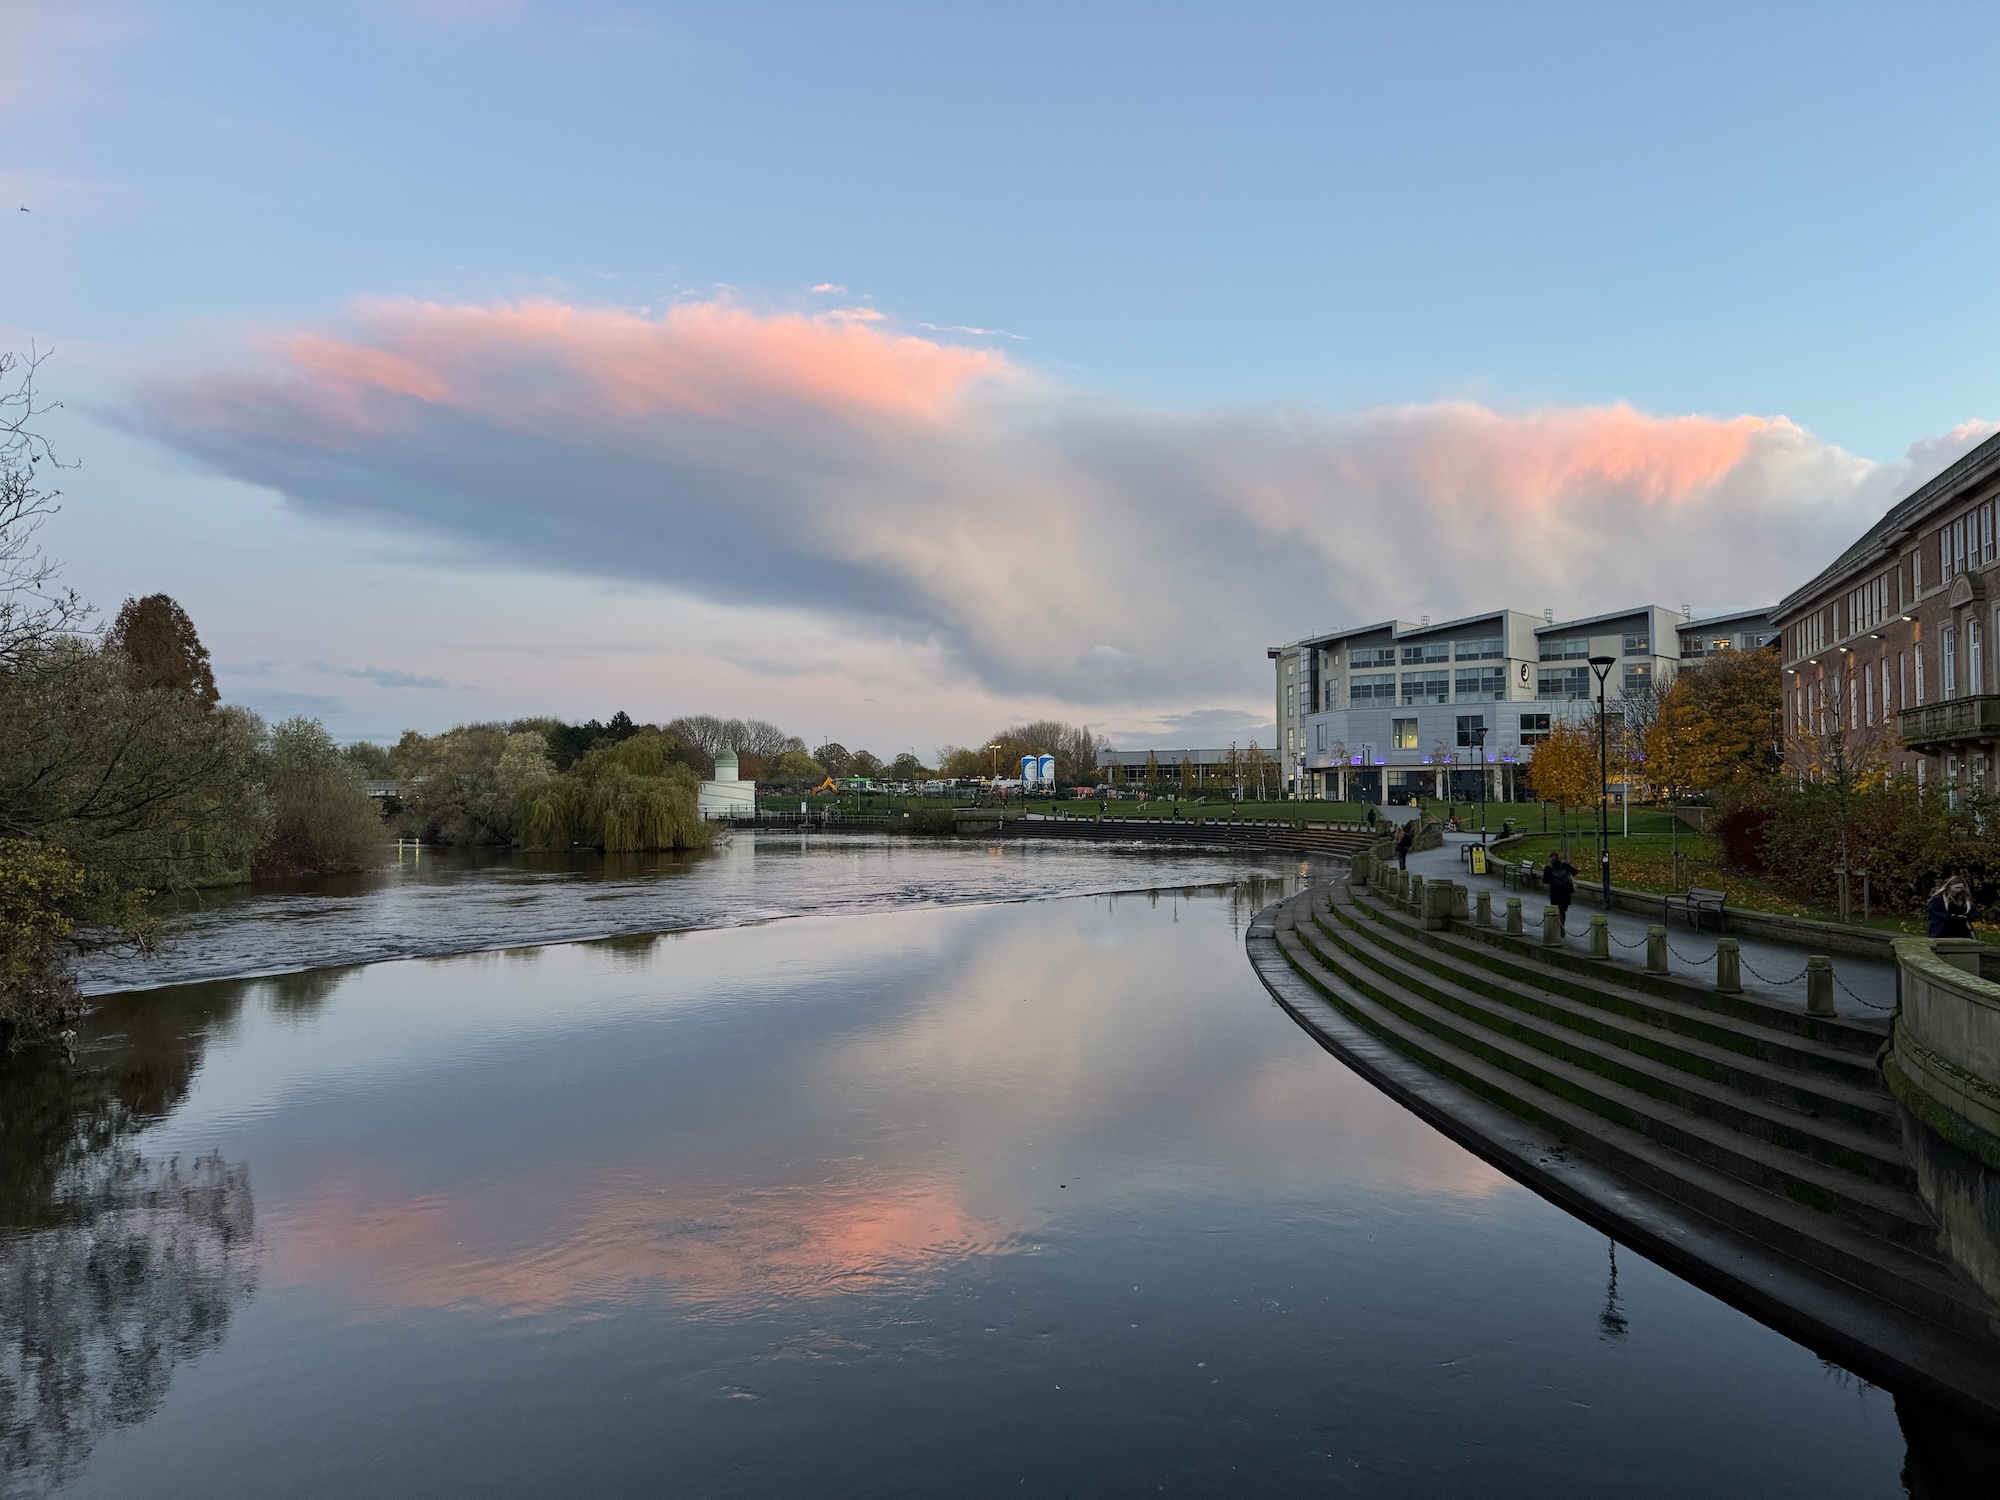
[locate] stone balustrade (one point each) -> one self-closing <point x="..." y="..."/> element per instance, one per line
<point x="1943" y="1065"/>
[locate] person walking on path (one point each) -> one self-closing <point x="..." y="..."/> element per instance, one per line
<point x="1950" y="910"/>
<point x="1559" y="875"/>
<point x="1403" y="841"/>
<point x="1371" y="817"/>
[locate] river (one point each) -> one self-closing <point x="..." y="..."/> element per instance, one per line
<point x="840" y="1168"/>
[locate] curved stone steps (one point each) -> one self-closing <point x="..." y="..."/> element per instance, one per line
<point x="1893" y="1314"/>
<point x="1838" y="1124"/>
<point x="1842" y="1052"/>
<point x="1906" y="1276"/>
<point x="1885" y="1213"/>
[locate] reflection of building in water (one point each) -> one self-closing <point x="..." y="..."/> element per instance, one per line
<point x="140" y="1270"/>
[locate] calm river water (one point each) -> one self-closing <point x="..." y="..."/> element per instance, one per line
<point x="922" y="1193"/>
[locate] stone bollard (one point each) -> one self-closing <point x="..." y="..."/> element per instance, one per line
<point x="1434" y="906"/>
<point x="1459" y="895"/>
<point x="1413" y="893"/>
<point x="1483" y="910"/>
<point x="1359" y="872"/>
<point x="1552" y="927"/>
<point x="1514" y="915"/>
<point x="1656" y="949"/>
<point x="1600" y="936"/>
<point x="1728" y="967"/>
<point x="1819" y="984"/>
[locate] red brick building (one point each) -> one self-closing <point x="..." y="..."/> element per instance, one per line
<point x="1889" y="653"/>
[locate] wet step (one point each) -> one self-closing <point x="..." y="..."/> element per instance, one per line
<point x="1851" y="1124"/>
<point x="1903" y="1275"/>
<point x="1882" y="1209"/>
<point x="1836" y="1046"/>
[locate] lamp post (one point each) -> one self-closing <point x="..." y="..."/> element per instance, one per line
<point x="1602" y="666"/>
<point x="1479" y="744"/>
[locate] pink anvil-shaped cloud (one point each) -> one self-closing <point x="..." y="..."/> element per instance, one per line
<point x="1047" y="539"/>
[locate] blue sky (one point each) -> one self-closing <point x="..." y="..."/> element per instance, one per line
<point x="1274" y="317"/>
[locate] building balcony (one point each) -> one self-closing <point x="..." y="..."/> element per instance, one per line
<point x="1975" y="718"/>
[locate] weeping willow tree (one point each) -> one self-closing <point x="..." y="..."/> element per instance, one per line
<point x="618" y="798"/>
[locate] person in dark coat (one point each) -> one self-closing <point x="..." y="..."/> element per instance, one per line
<point x="1403" y="841"/>
<point x="1559" y="875"/>
<point x="1950" y="910"/>
<point x="1371" y="819"/>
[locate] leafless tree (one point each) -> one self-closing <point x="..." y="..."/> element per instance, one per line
<point x="34" y="607"/>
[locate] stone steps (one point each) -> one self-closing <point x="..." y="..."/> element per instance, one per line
<point x="1702" y="1126"/>
<point x="1837" y="1122"/>
<point x="1823" y="1047"/>
<point x="1825" y="1190"/>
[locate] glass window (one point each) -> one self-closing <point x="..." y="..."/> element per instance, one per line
<point x="1974" y="683"/>
<point x="1481" y="682"/>
<point x="1426" y="651"/>
<point x="1637" y="679"/>
<point x="1568" y="682"/>
<point x="1534" y="728"/>
<point x="1691" y="645"/>
<point x="1426" y="687"/>
<point x="1486" y="648"/>
<point x="1364" y="688"/>
<point x="1406" y="734"/>
<point x="1375" y="656"/>
<point x="1638" y="645"/>
<point x="1950" y="661"/>
<point x="1467" y="725"/>
<point x="1575" y="648"/>
<point x="1322" y="736"/>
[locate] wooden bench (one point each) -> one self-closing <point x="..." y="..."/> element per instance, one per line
<point x="1519" y="876"/>
<point x="1696" y="901"/>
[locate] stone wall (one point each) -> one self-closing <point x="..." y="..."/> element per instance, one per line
<point x="1943" y="1065"/>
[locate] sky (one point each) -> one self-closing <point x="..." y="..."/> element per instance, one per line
<point x="894" y="373"/>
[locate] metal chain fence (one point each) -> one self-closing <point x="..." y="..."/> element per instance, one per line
<point x="1861" y="999"/>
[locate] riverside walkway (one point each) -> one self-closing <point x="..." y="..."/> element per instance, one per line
<point x="1743" y="1142"/>
<point x="1863" y="988"/>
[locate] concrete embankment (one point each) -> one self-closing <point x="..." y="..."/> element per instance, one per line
<point x="1750" y="1146"/>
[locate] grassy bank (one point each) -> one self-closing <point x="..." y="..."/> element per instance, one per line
<point x="1644" y="862"/>
<point x="869" y="803"/>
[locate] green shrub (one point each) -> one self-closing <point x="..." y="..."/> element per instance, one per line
<point x="933" y="820"/>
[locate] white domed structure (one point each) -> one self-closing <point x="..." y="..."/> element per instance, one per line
<point x="725" y="796"/>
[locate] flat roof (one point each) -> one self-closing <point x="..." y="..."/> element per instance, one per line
<point x="1709" y="622"/>
<point x="1616" y="614"/>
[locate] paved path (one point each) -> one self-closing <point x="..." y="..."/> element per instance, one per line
<point x="1864" y="989"/>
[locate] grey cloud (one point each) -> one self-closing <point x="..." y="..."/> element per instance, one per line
<point x="382" y="677"/>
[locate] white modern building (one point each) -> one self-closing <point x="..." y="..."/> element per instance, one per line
<point x="725" y="796"/>
<point x="1387" y="710"/>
